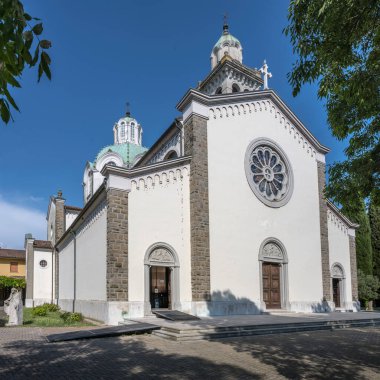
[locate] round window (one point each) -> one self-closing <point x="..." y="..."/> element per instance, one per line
<point x="43" y="263"/>
<point x="268" y="172"/>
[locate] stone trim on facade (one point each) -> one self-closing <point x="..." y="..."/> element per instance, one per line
<point x="354" y="274"/>
<point x="195" y="139"/>
<point x="325" y="257"/>
<point x="117" y="245"/>
<point x="29" y="268"/>
<point x="59" y="231"/>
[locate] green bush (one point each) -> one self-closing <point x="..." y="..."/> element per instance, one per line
<point x="71" y="317"/>
<point x="51" y="307"/>
<point x="39" y="311"/>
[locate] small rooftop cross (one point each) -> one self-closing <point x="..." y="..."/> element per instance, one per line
<point x="266" y="74"/>
<point x="128" y="110"/>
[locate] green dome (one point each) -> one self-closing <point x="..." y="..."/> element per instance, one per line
<point x="227" y="39"/>
<point x="128" y="151"/>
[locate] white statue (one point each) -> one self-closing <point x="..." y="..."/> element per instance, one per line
<point x="13" y="307"/>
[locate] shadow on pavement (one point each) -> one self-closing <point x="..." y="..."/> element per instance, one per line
<point x="107" y="358"/>
<point x="340" y="354"/>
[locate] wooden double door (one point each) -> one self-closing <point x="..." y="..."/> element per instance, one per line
<point x="160" y="287"/>
<point x="272" y="285"/>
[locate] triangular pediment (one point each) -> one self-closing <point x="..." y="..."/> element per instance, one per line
<point x="230" y="76"/>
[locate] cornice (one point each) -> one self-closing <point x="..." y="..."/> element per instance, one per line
<point x="130" y="173"/>
<point x="193" y="95"/>
<point x="340" y="215"/>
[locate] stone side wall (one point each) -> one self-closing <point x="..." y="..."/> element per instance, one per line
<point x="325" y="257"/>
<point x="195" y="141"/>
<point x="59" y="229"/>
<point x="29" y="268"/>
<point x="117" y="245"/>
<point x="354" y="274"/>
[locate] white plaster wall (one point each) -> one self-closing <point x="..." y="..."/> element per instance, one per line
<point x="239" y="222"/>
<point x="339" y="251"/>
<point x="91" y="245"/>
<point x="66" y="272"/>
<point x="69" y="219"/>
<point x="159" y="213"/>
<point x="42" y="286"/>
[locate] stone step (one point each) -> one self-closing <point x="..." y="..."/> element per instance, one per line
<point x="237" y="331"/>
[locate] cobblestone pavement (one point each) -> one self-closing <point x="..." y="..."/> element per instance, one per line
<point x="339" y="354"/>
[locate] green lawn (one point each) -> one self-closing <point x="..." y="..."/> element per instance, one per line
<point x="52" y="319"/>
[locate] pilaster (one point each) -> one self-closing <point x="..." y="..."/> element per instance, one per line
<point x="29" y="250"/>
<point x="59" y="229"/>
<point x="195" y="141"/>
<point x="354" y="273"/>
<point x="325" y="257"/>
<point x="117" y="245"/>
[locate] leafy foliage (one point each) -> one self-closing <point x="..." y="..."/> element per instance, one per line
<point x="10" y="282"/>
<point x="374" y="220"/>
<point x="356" y="211"/>
<point x="20" y="45"/>
<point x="368" y="286"/>
<point x="71" y="317"/>
<point x="39" y="311"/>
<point x="338" y="45"/>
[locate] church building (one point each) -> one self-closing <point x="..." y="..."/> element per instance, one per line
<point x="224" y="214"/>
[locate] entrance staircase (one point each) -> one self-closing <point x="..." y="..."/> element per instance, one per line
<point x="187" y="333"/>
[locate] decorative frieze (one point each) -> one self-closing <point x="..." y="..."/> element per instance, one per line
<point x="240" y="109"/>
<point x="172" y="144"/>
<point x="337" y="221"/>
<point x="160" y="179"/>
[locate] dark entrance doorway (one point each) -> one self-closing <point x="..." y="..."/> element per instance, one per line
<point x="336" y="291"/>
<point x="160" y="294"/>
<point x="271" y="285"/>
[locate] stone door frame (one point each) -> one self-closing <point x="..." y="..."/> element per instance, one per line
<point x="337" y="271"/>
<point x="161" y="255"/>
<point x="279" y="257"/>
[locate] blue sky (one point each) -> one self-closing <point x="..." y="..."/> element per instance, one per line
<point x="107" y="53"/>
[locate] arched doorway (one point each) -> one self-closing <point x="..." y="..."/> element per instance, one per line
<point x="161" y="271"/>
<point x="273" y="274"/>
<point x="338" y="284"/>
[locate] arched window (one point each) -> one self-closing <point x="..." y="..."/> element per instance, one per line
<point x="235" y="88"/>
<point x="172" y="154"/>
<point x="122" y="130"/>
<point x="218" y="91"/>
<point x="111" y="163"/>
<point x="132" y="131"/>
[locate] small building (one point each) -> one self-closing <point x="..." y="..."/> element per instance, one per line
<point x="12" y="264"/>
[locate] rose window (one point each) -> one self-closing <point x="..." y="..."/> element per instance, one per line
<point x="268" y="173"/>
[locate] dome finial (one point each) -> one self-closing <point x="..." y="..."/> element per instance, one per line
<point x="225" y="25"/>
<point x="128" y="110"/>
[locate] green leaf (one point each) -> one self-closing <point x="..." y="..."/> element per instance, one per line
<point x="10" y="99"/>
<point x="4" y="111"/>
<point x="36" y="55"/>
<point x="37" y="29"/>
<point x="45" y="44"/>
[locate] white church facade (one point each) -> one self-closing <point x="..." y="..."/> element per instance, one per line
<point x="200" y="222"/>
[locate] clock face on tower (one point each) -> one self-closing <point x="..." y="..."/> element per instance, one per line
<point x="268" y="172"/>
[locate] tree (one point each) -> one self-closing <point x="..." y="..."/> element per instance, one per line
<point x="374" y="221"/>
<point x="338" y="45"/>
<point x="368" y="287"/>
<point x="356" y="211"/>
<point x="19" y="48"/>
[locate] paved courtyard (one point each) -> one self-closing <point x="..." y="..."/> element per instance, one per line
<point x="338" y="354"/>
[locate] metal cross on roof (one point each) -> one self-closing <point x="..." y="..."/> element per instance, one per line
<point x="266" y="74"/>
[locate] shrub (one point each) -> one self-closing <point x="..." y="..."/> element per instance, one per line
<point x="71" y="317"/>
<point x="39" y="311"/>
<point x="51" y="307"/>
